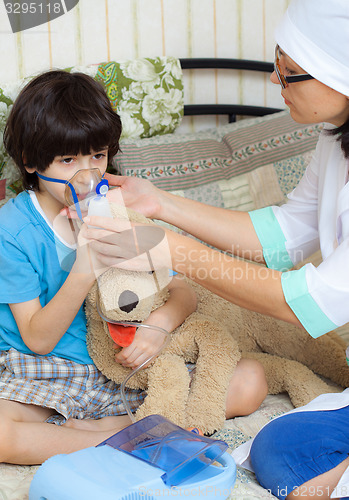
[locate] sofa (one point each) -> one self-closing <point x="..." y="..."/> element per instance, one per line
<point x="246" y="165"/>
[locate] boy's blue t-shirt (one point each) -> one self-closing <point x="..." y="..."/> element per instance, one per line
<point x="31" y="266"/>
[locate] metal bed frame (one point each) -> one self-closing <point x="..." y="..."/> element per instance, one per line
<point x="232" y="110"/>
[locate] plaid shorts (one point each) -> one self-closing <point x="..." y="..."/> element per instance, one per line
<point x="71" y="389"/>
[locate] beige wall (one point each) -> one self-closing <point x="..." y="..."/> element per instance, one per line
<point x="100" y="30"/>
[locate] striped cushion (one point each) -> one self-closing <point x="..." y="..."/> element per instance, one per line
<point x="179" y="162"/>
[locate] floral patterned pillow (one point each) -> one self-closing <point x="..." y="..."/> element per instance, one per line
<point x="146" y="93"/>
<point x="9" y="175"/>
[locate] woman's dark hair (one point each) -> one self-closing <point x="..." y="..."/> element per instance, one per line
<point x="59" y="113"/>
<point x="342" y="134"/>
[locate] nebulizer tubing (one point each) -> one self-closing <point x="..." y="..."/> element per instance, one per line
<point x="136" y="370"/>
<point x="100" y="191"/>
<point x="73" y="192"/>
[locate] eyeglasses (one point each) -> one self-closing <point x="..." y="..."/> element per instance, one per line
<point x="285" y="80"/>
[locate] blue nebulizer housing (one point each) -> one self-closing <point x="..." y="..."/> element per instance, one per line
<point x="152" y="458"/>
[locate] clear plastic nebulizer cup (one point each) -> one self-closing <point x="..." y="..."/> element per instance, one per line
<point x="86" y="192"/>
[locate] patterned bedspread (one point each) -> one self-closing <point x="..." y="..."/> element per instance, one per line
<point x="15" y="479"/>
<point x="238" y="430"/>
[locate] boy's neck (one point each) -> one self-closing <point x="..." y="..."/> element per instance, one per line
<point x="51" y="207"/>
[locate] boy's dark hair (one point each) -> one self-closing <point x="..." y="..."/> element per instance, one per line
<point x="59" y="113"/>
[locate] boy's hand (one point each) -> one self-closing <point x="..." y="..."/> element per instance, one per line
<point x="71" y="214"/>
<point x="87" y="261"/>
<point x="181" y="303"/>
<point x="147" y="342"/>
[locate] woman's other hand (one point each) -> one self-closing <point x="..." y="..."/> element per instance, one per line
<point x="119" y="243"/>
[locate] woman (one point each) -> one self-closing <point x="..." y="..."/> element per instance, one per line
<point x="312" y="67"/>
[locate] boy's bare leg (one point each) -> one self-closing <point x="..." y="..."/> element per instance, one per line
<point x="102" y="424"/>
<point x="247" y="388"/>
<point x="25" y="437"/>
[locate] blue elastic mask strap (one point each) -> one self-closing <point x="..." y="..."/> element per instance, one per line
<point x="73" y="192"/>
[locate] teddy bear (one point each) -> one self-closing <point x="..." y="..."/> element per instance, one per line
<point x="215" y="337"/>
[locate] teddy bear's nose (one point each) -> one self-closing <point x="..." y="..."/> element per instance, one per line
<point x="128" y="301"/>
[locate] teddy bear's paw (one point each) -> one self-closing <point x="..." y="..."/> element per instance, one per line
<point x="285" y="375"/>
<point x="324" y="355"/>
<point x="208" y="423"/>
<point x="175" y="416"/>
<point x="168" y="389"/>
<point x="206" y="409"/>
<point x="302" y="395"/>
<point x="341" y="377"/>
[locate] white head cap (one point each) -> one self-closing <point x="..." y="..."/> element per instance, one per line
<point x="315" y="34"/>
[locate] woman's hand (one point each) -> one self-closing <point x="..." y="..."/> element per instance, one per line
<point x="138" y="194"/>
<point x="119" y="243"/>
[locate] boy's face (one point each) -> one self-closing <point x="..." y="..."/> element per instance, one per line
<point x="51" y="195"/>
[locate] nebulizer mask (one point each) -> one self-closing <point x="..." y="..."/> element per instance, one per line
<point x="85" y="192"/>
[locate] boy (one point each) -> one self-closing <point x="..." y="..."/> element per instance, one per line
<point x="61" y="123"/>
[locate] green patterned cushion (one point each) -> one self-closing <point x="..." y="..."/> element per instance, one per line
<point x="290" y="170"/>
<point x="9" y="184"/>
<point x="146" y="93"/>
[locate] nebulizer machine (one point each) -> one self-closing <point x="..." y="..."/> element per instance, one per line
<point x="152" y="458"/>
